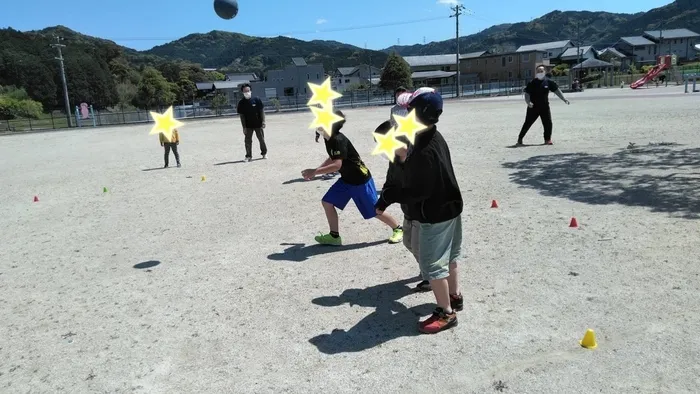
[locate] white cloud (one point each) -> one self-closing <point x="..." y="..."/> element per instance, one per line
<point x="321" y="21"/>
<point x="448" y="2"/>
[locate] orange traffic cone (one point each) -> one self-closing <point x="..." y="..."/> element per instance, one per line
<point x="36" y="199"/>
<point x="574" y="223"/>
<point x="494" y="204"/>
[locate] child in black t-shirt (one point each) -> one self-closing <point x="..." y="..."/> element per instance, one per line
<point x="355" y="183"/>
<point x="332" y="174"/>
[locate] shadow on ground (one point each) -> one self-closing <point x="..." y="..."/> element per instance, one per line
<point x="154" y="169"/>
<point x="390" y="320"/>
<point x="225" y="163"/>
<point x="300" y="180"/>
<point x="662" y="177"/>
<point x="301" y="252"/>
<point x="147" y="264"/>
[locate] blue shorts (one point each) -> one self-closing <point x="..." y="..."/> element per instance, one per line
<point x="364" y="196"/>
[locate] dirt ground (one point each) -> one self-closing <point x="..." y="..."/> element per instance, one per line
<point x="170" y="284"/>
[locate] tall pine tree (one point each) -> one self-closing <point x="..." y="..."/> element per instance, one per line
<point x="396" y="73"/>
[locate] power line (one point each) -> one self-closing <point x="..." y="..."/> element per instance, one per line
<point x="295" y="33"/>
<point x="58" y="46"/>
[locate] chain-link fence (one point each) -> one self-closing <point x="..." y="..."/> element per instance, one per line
<point x="350" y="99"/>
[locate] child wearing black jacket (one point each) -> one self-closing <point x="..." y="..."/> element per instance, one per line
<point x="434" y="204"/>
<point x="394" y="176"/>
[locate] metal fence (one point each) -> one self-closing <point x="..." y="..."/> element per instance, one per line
<point x="352" y="99"/>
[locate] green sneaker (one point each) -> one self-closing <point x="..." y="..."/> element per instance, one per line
<point x="396" y="236"/>
<point x="327" y="239"/>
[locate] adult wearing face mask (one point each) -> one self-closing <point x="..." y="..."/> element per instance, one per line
<point x="537" y="99"/>
<point x="250" y="110"/>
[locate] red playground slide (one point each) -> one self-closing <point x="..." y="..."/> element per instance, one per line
<point x="650" y="75"/>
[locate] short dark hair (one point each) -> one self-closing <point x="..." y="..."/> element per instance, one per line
<point x="338" y="125"/>
<point x="400" y="89"/>
<point x="245" y="85"/>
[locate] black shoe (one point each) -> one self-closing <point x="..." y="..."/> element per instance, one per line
<point x="165" y="166"/>
<point x="179" y="165"/>
<point x="457" y="302"/>
<point x="423" y="286"/>
<point x="520" y="143"/>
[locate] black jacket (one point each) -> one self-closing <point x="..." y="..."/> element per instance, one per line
<point x="429" y="187"/>
<point x="394" y="179"/>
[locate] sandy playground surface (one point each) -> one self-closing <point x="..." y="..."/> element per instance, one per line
<point x="167" y="284"/>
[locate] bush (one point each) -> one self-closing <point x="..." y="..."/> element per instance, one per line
<point x="591" y="78"/>
<point x="645" y="69"/>
<point x="276" y="103"/>
<point x="15" y="103"/>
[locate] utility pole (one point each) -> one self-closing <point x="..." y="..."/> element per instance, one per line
<point x="661" y="38"/>
<point x="578" y="50"/>
<point x="58" y="46"/>
<point x="458" y="8"/>
<point x="369" y="71"/>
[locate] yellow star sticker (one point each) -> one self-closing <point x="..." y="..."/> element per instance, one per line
<point x="165" y="123"/>
<point x="323" y="94"/>
<point x="387" y="144"/>
<point x="409" y="126"/>
<point x="324" y="118"/>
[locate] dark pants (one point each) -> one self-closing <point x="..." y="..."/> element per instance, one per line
<point x="260" y="133"/>
<point x="538" y="111"/>
<point x="172" y="146"/>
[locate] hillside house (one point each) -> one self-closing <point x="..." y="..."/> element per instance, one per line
<point x="345" y="77"/>
<point x="640" y="49"/>
<point x="552" y="50"/>
<point x="510" y="66"/>
<point x="289" y="82"/>
<point x="679" y="42"/>
<point x="615" y="57"/>
<point x="577" y="55"/>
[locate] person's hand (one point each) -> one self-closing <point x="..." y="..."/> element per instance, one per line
<point x="308" y="173"/>
<point x="263" y="125"/>
<point x="567" y="102"/>
<point x="378" y="211"/>
<point x="244" y="131"/>
<point x="161" y="144"/>
<point x="530" y="105"/>
<point x="177" y="143"/>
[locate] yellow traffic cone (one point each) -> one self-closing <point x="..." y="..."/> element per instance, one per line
<point x="588" y="340"/>
<point x="204" y="178"/>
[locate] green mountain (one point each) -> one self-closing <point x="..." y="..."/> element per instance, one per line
<point x="591" y="28"/>
<point x="237" y="52"/>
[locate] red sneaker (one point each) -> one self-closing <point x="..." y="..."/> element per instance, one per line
<point x="548" y="142"/>
<point x="439" y="321"/>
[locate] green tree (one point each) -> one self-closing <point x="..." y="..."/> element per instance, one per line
<point x="127" y="93"/>
<point x="15" y="103"/>
<point x="153" y="90"/>
<point x="186" y="88"/>
<point x="214" y="76"/>
<point x="218" y="102"/>
<point x="396" y="73"/>
<point x="560" y="70"/>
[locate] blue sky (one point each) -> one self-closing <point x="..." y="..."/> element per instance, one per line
<point x="143" y="24"/>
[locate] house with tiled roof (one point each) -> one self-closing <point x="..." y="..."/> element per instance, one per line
<point x="640" y="49"/>
<point x="345" y="77"/>
<point x="552" y="50"/>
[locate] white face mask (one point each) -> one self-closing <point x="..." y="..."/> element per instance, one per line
<point x="539" y="76"/>
<point x="246" y="95"/>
